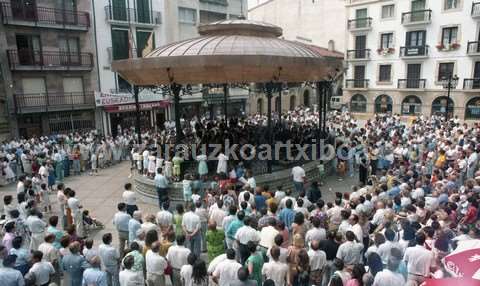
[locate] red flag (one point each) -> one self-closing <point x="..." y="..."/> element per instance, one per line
<point x="451" y="281"/>
<point x="465" y="260"/>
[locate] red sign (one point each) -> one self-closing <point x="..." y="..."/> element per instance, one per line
<point x="465" y="260"/>
<point x="451" y="281"/>
<point x="131" y="107"/>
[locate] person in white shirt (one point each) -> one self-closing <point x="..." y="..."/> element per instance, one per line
<point x="385" y="248"/>
<point x="298" y="174"/>
<point x="222" y="163"/>
<point x="418" y="260"/>
<point x="268" y="234"/>
<point x="130" y="199"/>
<point x="318" y="260"/>
<point x="51" y="254"/>
<point x="76" y="208"/>
<point x="274" y="269"/>
<point x="41" y="270"/>
<point x="350" y="252"/>
<point x="227" y="272"/>
<point x="109" y="257"/>
<point x="244" y="235"/>
<point x="283" y="251"/>
<point x="389" y="276"/>
<point x="316" y="232"/>
<point x="21" y="184"/>
<point x="36" y="226"/>
<point x="129" y="277"/>
<point x="120" y="221"/>
<point x="155" y="266"/>
<point x="217" y="214"/>
<point x="187" y="270"/>
<point x="165" y="218"/>
<point x="356" y="227"/>
<point x="334" y="213"/>
<point x="191" y="225"/>
<point x="177" y="257"/>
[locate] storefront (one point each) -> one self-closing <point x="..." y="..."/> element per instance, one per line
<point x="119" y="110"/>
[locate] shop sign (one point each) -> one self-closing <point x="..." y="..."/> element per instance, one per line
<point x="144" y="95"/>
<point x="143" y="106"/>
<point x="213" y="98"/>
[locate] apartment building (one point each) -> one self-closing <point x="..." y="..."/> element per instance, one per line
<point x="131" y="28"/>
<point x="47" y="66"/>
<point x="401" y="53"/>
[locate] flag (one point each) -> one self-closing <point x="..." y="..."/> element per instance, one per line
<point x="451" y="281"/>
<point x="465" y="260"/>
<point x="149" y="46"/>
<point x="131" y="45"/>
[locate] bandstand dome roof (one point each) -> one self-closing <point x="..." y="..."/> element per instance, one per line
<point x="231" y="51"/>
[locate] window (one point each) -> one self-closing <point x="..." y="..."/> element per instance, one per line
<point x="120" y="44"/>
<point x="358" y="103"/>
<point x="209" y="17"/>
<point x="449" y="35"/>
<point x="384" y="74"/>
<point x="451" y="4"/>
<point x="388" y="11"/>
<point x="187" y="15"/>
<point x="386" y="41"/>
<point x="445" y="70"/>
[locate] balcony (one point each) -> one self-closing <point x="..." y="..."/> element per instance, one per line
<point x="412" y="83"/>
<point x="471" y="83"/>
<point x="417" y="17"/>
<point x="61" y="101"/>
<point x="356" y="83"/>
<point x="473" y="48"/>
<point x="42" y="17"/>
<point x="215" y="2"/>
<point x="360" y="24"/>
<point x="27" y="60"/>
<point x="127" y="16"/>
<point x="358" y="55"/>
<point x="476" y="10"/>
<point x="414" y="52"/>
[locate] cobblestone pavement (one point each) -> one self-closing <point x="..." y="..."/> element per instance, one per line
<point x="100" y="194"/>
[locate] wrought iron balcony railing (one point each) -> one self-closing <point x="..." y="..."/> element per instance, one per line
<point x="356" y="83"/>
<point x="43" y="102"/>
<point x="471" y="83"/>
<point x="41" y="60"/>
<point x="418" y="16"/>
<point x="361" y="54"/>
<point x="22" y="15"/>
<point x="412" y="83"/>
<point x="360" y="23"/>
<point x="131" y="15"/>
<point x="414" y="51"/>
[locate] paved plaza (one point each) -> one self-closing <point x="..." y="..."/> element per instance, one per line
<point x="100" y="194"/>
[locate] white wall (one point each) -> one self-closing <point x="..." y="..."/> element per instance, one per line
<point x="316" y="22"/>
<point x="468" y="31"/>
<point x="104" y="39"/>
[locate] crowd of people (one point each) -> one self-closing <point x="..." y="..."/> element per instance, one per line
<point x="416" y="200"/>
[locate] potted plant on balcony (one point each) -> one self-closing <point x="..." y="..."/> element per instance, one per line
<point x="449" y="47"/>
<point x="385" y="51"/>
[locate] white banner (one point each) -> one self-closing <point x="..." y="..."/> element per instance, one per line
<point x="144" y="95"/>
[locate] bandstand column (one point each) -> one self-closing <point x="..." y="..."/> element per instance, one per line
<point x="269" y="90"/>
<point x="225" y="102"/>
<point x="319" y="90"/>
<point x="137" y="115"/>
<point x="279" y="102"/>
<point x="176" y="88"/>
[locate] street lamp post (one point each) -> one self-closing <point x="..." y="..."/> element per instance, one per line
<point x="449" y="83"/>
